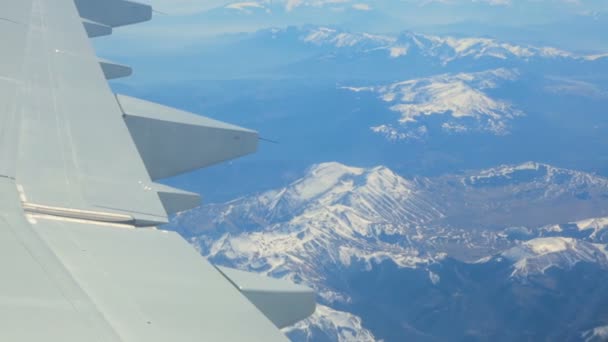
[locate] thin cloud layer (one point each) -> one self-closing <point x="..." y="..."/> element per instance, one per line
<point x="185" y="7"/>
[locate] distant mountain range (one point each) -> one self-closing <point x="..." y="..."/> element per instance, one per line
<point x="444" y="49"/>
<point x="331" y="53"/>
<point x="316" y="50"/>
<point x="487" y="16"/>
<point x="455" y="257"/>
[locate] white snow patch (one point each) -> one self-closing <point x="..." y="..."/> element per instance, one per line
<point x="341" y="39"/>
<point x="334" y="216"/>
<point x="537" y="255"/>
<point x="434" y="278"/>
<point x="322" y="178"/>
<point x="357" y="89"/>
<point x="596" y="57"/>
<point x="339" y="325"/>
<point x="444" y="49"/>
<point x="593" y="223"/>
<point x="398" y="51"/>
<point x="543" y="246"/>
<point x="396" y="134"/>
<point x="596" y="334"/>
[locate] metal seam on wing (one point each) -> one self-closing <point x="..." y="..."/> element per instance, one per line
<point x="86" y="215"/>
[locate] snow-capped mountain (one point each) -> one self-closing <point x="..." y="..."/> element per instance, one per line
<point x="597" y="334"/>
<point x="439" y="86"/>
<point x="460" y="100"/>
<point x="557" y="180"/>
<point x="335" y="214"/>
<point x="529" y="194"/>
<point x="330" y="52"/>
<point x="537" y="255"/>
<point x="290" y="5"/>
<point x="338" y="226"/>
<point x="391" y="15"/>
<point x="325" y="36"/>
<point x="449" y="49"/>
<point x="594" y="230"/>
<point x="443" y="49"/>
<point x="333" y="219"/>
<point x="331" y="325"/>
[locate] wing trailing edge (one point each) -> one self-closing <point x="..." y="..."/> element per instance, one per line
<point x="95" y="29"/>
<point x="172" y="142"/>
<point x="283" y="302"/>
<point x="113" y="70"/>
<point x="176" y="200"/>
<point x="114" y="13"/>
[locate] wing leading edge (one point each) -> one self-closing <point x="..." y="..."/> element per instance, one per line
<point x="79" y="206"/>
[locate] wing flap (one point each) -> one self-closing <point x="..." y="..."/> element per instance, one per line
<point x="113" y="70"/>
<point x="176" y="200"/>
<point x="114" y="13"/>
<point x="96" y="29"/>
<point x="172" y="142"/>
<point x="74" y="150"/>
<point x="284" y="303"/>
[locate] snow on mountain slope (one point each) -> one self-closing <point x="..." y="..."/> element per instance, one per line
<point x="596" y="224"/>
<point x="597" y="334"/>
<point x="323" y="36"/>
<point x="444" y="49"/>
<point x="460" y="99"/>
<point x="439" y="50"/>
<point x="335" y="215"/>
<point x="593" y="230"/>
<point x="334" y="219"/>
<point x="537" y="255"/>
<point x="338" y="221"/>
<point x="555" y="180"/>
<point x="335" y="325"/>
<point x="529" y="194"/>
<point x="449" y="49"/>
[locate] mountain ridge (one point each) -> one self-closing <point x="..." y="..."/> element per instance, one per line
<point x="334" y="223"/>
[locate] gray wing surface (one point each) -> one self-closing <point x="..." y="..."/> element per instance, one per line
<point x="82" y="259"/>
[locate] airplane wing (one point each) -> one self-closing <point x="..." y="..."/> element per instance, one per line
<point x="81" y="257"/>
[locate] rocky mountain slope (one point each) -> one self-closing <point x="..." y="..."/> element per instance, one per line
<point x="461" y="102"/>
<point x="381" y="251"/>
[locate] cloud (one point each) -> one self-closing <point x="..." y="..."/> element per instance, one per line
<point x="291" y="4"/>
<point x="362" y="7"/>
<point x="184" y="7"/>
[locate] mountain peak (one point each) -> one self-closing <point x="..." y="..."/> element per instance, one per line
<point x="334" y="168"/>
<point x="320" y="35"/>
<point x="335" y="214"/>
<point x="542" y="246"/>
<point x="320" y="179"/>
